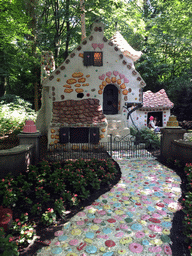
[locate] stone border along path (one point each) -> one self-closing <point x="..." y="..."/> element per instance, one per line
<point x="133" y="218"/>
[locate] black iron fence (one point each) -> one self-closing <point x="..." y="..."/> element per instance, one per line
<point x="128" y="147"/>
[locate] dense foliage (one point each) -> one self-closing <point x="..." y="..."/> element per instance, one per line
<point x="147" y="136"/>
<point x="187" y="202"/>
<point x="160" y="29"/>
<point x="13" y="113"/>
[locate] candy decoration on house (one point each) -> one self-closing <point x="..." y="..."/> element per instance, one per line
<point x="47" y="65"/>
<point x="99" y="76"/>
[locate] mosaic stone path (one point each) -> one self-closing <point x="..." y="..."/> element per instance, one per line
<point x="133" y="218"/>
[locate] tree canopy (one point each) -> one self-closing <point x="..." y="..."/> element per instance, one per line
<point x="160" y="29"/>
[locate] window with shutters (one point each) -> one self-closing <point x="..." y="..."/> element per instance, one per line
<point x="93" y="59"/>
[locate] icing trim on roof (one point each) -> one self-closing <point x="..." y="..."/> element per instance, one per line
<point x="123" y="45"/>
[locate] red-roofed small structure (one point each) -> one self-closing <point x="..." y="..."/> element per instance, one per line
<point x="154" y="104"/>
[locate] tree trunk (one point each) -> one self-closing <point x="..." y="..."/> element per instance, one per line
<point x="31" y="5"/>
<point x="66" y="53"/>
<point x="83" y="30"/>
<point x="2" y="86"/>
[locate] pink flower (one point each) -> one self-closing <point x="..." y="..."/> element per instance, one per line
<point x="16" y="220"/>
<point x="10" y="239"/>
<point x="3" y="180"/>
<point x="50" y="209"/>
<point x="19" y="223"/>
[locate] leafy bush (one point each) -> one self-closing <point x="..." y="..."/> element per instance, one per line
<point x="187" y="202"/>
<point x="13" y="113"/>
<point x="7" y="246"/>
<point x="147" y="136"/>
<point x="187" y="125"/>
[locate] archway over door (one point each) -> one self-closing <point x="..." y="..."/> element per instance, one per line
<point x="110" y="100"/>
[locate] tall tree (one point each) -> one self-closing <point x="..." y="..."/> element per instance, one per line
<point x="12" y="29"/>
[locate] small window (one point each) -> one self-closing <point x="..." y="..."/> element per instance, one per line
<point x="93" y="59"/>
<point x="98" y="59"/>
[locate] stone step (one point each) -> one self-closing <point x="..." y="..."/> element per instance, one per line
<point x="117" y="127"/>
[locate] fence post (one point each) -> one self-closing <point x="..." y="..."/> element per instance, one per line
<point x="111" y="146"/>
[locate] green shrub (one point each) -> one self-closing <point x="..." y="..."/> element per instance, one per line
<point x="7" y="246"/>
<point x="147" y="136"/>
<point x="13" y="113"/>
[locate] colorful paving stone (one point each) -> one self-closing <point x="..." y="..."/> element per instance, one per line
<point x="133" y="218"/>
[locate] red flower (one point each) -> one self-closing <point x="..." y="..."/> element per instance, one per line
<point x="10" y="239"/>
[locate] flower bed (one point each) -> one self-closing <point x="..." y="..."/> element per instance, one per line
<point x="187" y="202"/>
<point x="49" y="190"/>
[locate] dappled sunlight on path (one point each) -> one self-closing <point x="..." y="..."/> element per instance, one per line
<point x="133" y="218"/>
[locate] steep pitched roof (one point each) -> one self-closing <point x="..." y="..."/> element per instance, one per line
<point x="126" y="49"/>
<point x="158" y="100"/>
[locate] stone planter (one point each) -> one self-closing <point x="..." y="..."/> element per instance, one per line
<point x="182" y="150"/>
<point x="16" y="160"/>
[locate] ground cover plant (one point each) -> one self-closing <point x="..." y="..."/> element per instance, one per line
<point x="44" y="193"/>
<point x="147" y="136"/>
<point x="187" y="203"/>
<point x="184" y="219"/>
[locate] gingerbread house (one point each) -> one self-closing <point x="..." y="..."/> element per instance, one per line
<point x="83" y="99"/>
<point x="157" y="105"/>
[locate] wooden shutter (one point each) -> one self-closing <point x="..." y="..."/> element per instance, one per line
<point x="64" y="135"/>
<point x="94" y="135"/>
<point x="88" y="58"/>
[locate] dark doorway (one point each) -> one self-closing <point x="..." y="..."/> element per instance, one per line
<point x="158" y="116"/>
<point x="79" y="135"/>
<point x="110" y="100"/>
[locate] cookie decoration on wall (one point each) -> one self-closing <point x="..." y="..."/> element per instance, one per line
<point x="77" y="74"/>
<point x="71" y="81"/>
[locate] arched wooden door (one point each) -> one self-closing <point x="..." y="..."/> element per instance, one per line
<point x="110" y="100"/>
